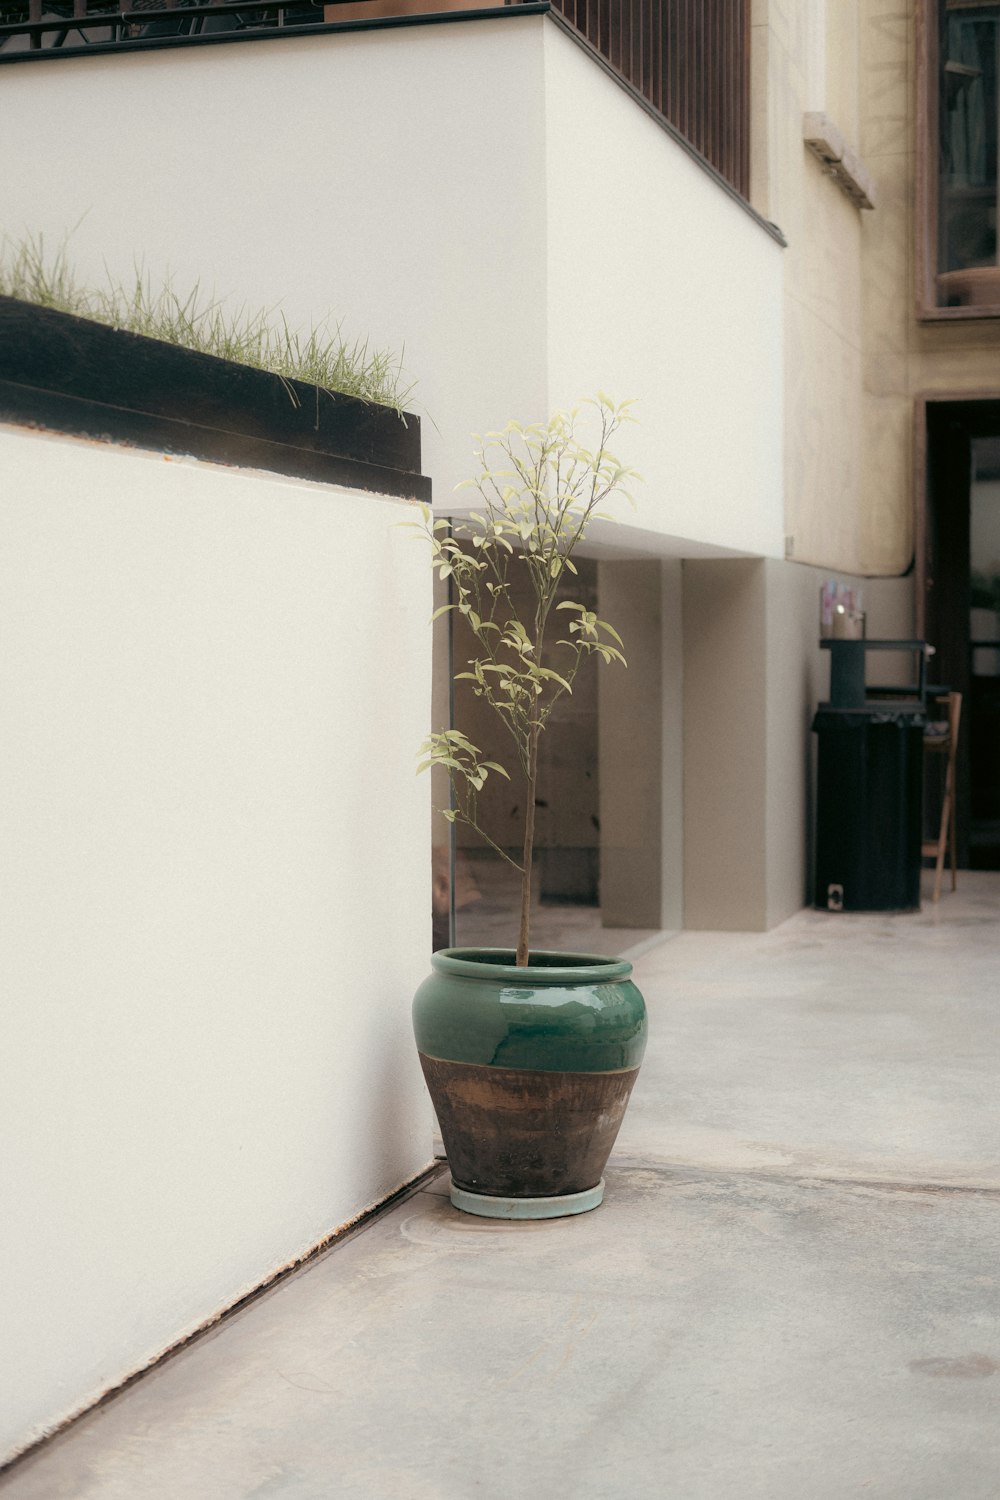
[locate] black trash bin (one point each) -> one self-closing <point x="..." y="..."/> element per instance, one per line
<point x="869" y="787"/>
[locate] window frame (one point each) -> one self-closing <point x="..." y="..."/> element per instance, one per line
<point x="927" y="184"/>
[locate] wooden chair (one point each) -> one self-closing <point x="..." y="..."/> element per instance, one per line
<point x="942" y="738"/>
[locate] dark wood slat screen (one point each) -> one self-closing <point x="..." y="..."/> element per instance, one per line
<point x="690" y="59"/>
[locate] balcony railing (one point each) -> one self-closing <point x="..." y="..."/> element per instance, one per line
<point x="689" y="59"/>
<point x="73" y="24"/>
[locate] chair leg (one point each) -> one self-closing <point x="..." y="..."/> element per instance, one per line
<point x="947" y="839"/>
<point x="942" y="839"/>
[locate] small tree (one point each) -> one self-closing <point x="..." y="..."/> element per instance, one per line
<point x="540" y="489"/>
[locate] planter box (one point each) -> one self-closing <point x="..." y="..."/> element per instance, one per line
<point x="72" y="375"/>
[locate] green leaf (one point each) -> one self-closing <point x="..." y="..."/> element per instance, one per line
<point x="548" y="672"/>
<point x="456" y="737"/>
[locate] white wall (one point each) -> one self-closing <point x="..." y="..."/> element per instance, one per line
<point x="214" y="882"/>
<point x="661" y="287"/>
<point x="481" y="193"/>
<point x="672" y="731"/>
<point x="394" y="177"/>
<point x="641" y="750"/>
<point x="725" y="744"/>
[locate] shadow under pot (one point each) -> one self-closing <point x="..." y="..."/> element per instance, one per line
<point x="530" y="1071"/>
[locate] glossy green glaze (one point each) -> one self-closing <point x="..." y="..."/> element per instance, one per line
<point x="566" y="1012"/>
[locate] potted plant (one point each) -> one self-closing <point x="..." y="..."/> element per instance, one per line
<point x="529" y="1056"/>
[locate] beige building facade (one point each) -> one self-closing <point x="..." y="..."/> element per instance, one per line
<point x="859" y="355"/>
<point x="874" y="147"/>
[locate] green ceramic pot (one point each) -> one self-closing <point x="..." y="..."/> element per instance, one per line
<point x="530" y="1071"/>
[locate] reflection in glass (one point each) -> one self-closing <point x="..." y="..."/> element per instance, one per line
<point x="984" y="679"/>
<point x="967" y="158"/>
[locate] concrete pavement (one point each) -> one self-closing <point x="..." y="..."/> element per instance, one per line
<point x="792" y="1290"/>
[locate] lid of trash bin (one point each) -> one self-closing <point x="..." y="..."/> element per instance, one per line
<point x="904" y="716"/>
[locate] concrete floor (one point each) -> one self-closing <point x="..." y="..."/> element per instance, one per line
<point x="791" y="1292"/>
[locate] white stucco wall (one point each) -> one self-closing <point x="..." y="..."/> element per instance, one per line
<point x="480" y="192"/>
<point x="661" y="287"/>
<point x="393" y="177"/>
<point x="213" y="881"/>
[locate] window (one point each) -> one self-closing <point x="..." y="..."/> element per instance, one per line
<point x="959" y="104"/>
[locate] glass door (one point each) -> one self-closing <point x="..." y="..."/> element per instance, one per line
<point x="983" y="718"/>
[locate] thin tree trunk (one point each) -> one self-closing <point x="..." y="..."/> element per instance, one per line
<point x="529" y="840"/>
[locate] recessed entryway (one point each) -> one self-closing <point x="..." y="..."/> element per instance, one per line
<point x="958" y="597"/>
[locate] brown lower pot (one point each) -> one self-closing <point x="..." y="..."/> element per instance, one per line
<point x="519" y="1133"/>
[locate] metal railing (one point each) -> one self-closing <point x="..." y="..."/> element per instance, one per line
<point x="74" y="24"/>
<point x="689" y="59"/>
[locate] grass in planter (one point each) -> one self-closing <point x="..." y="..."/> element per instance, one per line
<point x="261" y="339"/>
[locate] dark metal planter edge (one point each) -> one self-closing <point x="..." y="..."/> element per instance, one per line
<point x="72" y="375"/>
